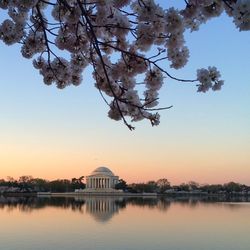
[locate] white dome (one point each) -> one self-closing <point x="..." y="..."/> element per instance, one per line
<point x="102" y="171"/>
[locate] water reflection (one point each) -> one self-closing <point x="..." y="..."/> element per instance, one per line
<point x="30" y="204"/>
<point x="102" y="209"/>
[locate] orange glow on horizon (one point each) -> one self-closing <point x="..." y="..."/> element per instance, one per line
<point x="129" y="157"/>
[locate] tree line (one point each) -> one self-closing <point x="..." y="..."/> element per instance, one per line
<point x="164" y="186"/>
<point x="29" y="184"/>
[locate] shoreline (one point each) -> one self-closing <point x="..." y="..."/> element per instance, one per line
<point x="121" y="194"/>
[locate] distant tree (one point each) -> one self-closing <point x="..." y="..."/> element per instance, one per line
<point x="60" y="185"/>
<point x="232" y="187"/>
<point x="11" y="182"/>
<point x="121" y="185"/>
<point x="74" y="180"/>
<point x="183" y="187"/>
<point x="77" y="183"/>
<point x="149" y="187"/>
<point x="163" y="184"/>
<point x="40" y="185"/>
<point x="81" y="178"/>
<point x="25" y="182"/>
<point x="214" y="188"/>
<point x="132" y="188"/>
<point x="10" y="179"/>
<point x="193" y="185"/>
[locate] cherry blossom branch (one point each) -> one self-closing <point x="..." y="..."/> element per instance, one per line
<point x="116" y="38"/>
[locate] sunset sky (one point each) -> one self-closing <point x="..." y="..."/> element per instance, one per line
<point x="50" y="133"/>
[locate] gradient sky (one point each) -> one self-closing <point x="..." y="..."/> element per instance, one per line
<point x="51" y="133"/>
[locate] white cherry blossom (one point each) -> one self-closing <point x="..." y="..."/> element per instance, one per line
<point x="124" y="41"/>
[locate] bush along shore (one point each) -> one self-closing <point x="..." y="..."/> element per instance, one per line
<point x="27" y="185"/>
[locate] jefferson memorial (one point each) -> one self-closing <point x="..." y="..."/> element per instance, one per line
<point x="101" y="179"/>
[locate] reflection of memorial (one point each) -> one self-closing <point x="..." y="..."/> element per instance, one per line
<point x="103" y="208"/>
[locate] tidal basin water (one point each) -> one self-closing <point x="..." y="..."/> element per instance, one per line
<point x="112" y="223"/>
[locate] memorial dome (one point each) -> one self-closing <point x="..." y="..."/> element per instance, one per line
<point x="100" y="180"/>
<point x="102" y="171"/>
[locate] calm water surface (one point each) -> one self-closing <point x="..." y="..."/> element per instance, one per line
<point x="123" y="223"/>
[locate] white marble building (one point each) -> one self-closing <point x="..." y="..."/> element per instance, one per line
<point x="101" y="179"/>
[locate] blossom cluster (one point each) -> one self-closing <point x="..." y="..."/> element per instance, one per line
<point x="241" y="14"/>
<point x="209" y="79"/>
<point x="123" y="41"/>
